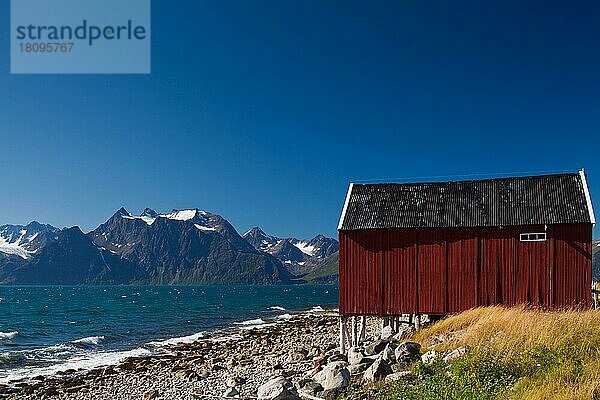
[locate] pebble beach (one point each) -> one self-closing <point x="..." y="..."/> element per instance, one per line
<point x="231" y="364"/>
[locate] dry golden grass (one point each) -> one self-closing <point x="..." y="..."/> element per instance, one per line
<point x="556" y="354"/>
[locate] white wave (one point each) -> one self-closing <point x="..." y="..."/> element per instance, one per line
<point x="226" y="338"/>
<point x="253" y="327"/>
<point x="277" y="308"/>
<point x="284" y="317"/>
<point x="8" y="335"/>
<point x="317" y="309"/>
<point x="81" y="362"/>
<point x="180" y="340"/>
<point x="95" y="340"/>
<point x="257" y="321"/>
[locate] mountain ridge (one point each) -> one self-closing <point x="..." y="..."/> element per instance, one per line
<point x="299" y="256"/>
<point x="189" y="246"/>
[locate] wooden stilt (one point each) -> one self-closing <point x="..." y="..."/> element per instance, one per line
<point x="342" y="335"/>
<point x="354" y="331"/>
<point x="363" y="328"/>
<point x="417" y="322"/>
<point x="347" y="333"/>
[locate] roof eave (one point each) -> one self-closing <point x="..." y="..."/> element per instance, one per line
<point x="588" y="198"/>
<point x="341" y="223"/>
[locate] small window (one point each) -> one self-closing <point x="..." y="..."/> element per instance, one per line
<point x="533" y="237"/>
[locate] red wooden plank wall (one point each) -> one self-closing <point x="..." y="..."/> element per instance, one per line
<point x="431" y="274"/>
<point x="399" y="271"/>
<point x="440" y="271"/>
<point x="572" y="269"/>
<point x="361" y="290"/>
<point x="497" y="266"/>
<point x="462" y="272"/>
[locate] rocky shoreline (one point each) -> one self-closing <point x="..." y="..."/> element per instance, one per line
<point x="294" y="358"/>
<point x="220" y="365"/>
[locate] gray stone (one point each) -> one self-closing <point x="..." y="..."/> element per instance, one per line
<point x="398" y="376"/>
<point x="407" y="352"/>
<point x="455" y="354"/>
<point x="429" y="357"/>
<point x="312" y="388"/>
<point x="278" y="388"/>
<point x="358" y="369"/>
<point x="387" y="333"/>
<point x="378" y="371"/>
<point x="388" y="354"/>
<point x="334" y="375"/>
<point x="375" y="347"/>
<point x="355" y="356"/>
<point x="230" y="392"/>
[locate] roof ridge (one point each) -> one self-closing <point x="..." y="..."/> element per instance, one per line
<point x="468" y="180"/>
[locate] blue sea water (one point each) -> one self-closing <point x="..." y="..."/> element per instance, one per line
<point x="44" y="329"/>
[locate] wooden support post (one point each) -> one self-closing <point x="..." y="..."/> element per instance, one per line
<point x="363" y="328"/>
<point x="417" y="322"/>
<point x="342" y="335"/>
<point x="347" y="333"/>
<point x="354" y="332"/>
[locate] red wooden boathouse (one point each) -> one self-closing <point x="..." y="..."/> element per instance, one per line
<point x="438" y="248"/>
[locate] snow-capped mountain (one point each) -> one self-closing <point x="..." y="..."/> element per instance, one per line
<point x="186" y="246"/>
<point x="180" y="247"/>
<point x="26" y="241"/>
<point x="299" y="256"/>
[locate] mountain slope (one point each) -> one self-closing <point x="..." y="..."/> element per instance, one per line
<point x="327" y="271"/>
<point x="298" y="256"/>
<point x="71" y="259"/>
<point x="25" y="241"/>
<point x="185" y="247"/>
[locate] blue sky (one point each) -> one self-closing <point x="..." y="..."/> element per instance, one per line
<point x="263" y="111"/>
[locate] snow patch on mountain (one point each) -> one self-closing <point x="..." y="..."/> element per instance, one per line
<point x="13" y="248"/>
<point x="305" y="247"/>
<point x="181" y="215"/>
<point x="204" y="228"/>
<point x="24" y="241"/>
<point x="149" y="216"/>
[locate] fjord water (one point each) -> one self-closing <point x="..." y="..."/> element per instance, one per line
<point x="44" y="329"/>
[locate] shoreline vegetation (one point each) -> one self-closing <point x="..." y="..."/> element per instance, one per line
<point x="484" y="353"/>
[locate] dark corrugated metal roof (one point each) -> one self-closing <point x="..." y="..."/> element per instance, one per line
<point x="545" y="199"/>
